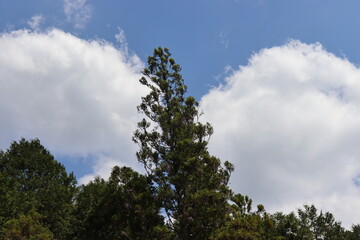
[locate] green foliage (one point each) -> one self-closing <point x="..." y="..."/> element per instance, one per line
<point x="30" y="178"/>
<point x="88" y="199"/>
<point x="27" y="227"/>
<point x="123" y="207"/>
<point x="308" y="225"/>
<point x="321" y="226"/>
<point x="192" y="184"/>
<point x="287" y="225"/>
<point x="354" y="234"/>
<point x="244" y="224"/>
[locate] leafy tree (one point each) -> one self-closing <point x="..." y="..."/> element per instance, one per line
<point x="308" y="225"/>
<point x="27" y="227"/>
<point x="288" y="225"/>
<point x="321" y="226"/>
<point x="88" y="199"/>
<point x="192" y="185"/>
<point x="244" y="224"/>
<point x="354" y="234"/>
<point x="30" y="178"/>
<point x="122" y="208"/>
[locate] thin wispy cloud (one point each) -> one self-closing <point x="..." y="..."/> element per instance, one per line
<point x="120" y="38"/>
<point x="78" y="12"/>
<point x="224" y="40"/>
<point x="35" y="22"/>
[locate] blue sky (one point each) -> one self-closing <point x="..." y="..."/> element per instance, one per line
<point x="205" y="35"/>
<point x="278" y="79"/>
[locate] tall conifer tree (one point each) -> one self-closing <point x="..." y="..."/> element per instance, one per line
<point x="192" y="184"/>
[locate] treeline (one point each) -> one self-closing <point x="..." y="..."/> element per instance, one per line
<point x="183" y="195"/>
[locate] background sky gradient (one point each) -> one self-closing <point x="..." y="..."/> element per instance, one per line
<point x="279" y="80"/>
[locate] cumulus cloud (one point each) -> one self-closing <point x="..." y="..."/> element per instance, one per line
<point x="78" y="97"/>
<point x="78" y="12"/>
<point x="290" y="122"/>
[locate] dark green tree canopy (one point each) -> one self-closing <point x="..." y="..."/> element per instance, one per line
<point x="124" y="207"/>
<point x="27" y="227"/>
<point x="310" y="224"/>
<point x="31" y="178"/>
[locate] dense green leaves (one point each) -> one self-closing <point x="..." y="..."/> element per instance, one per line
<point x="244" y="224"/>
<point x="30" y="178"/>
<point x="27" y="227"/>
<point x="124" y="207"/>
<point x="309" y="224"/>
<point x="354" y="234"/>
<point x="88" y="200"/>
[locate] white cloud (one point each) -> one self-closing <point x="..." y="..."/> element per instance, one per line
<point x="78" y="97"/>
<point x="290" y="122"/>
<point x="78" y="12"/>
<point x="35" y="22"/>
